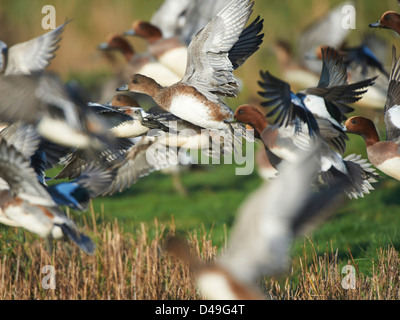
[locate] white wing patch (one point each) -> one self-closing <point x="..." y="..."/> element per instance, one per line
<point x="394" y="115"/>
<point x="317" y="106"/>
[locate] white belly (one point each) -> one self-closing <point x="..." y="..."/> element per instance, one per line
<point x="191" y="110"/>
<point x="391" y="167"/>
<point x="130" y="129"/>
<point x="7" y="221"/>
<point x="34" y="221"/>
<point x="285" y="154"/>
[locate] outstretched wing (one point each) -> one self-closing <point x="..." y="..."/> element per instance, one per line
<point x="392" y="105"/>
<point x="289" y="108"/>
<point x="248" y="43"/>
<point x="209" y="68"/>
<point x="334" y="71"/>
<point x="34" y="55"/>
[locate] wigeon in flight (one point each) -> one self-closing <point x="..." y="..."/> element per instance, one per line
<point x="319" y="111"/>
<point x="165" y="145"/>
<point x="143" y="63"/>
<point x="152" y="130"/>
<point x="122" y="121"/>
<point x="362" y="63"/>
<point x="384" y="155"/>
<point x="212" y="55"/>
<point x="32" y="56"/>
<point x="57" y="110"/>
<point x="43" y="155"/>
<point x="170" y="52"/>
<point x="285" y="143"/>
<point x="26" y="203"/>
<point x="323" y="107"/>
<point x="267" y="223"/>
<point x="123" y="100"/>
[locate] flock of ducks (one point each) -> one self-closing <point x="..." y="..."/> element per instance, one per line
<point x="193" y="49"/>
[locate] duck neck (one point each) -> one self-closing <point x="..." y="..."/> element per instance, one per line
<point x="128" y="55"/>
<point x="154" y="35"/>
<point x="371" y="137"/>
<point x="127" y="51"/>
<point x="260" y="124"/>
<point x="156" y="92"/>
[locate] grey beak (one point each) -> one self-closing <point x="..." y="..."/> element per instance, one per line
<point x="103" y="46"/>
<point x="228" y="121"/>
<point x="310" y="56"/>
<point x="375" y="24"/>
<point x="130" y="33"/>
<point x="123" y="88"/>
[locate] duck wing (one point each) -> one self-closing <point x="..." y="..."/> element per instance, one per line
<point x="34" y="55"/>
<point x="209" y="68"/>
<point x="392" y="105"/>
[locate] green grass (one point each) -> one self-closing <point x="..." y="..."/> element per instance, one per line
<point x="214" y="194"/>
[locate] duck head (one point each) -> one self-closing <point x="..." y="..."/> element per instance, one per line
<point x="144" y="30"/>
<point x="252" y="116"/>
<point x="117" y="43"/>
<point x="389" y="20"/>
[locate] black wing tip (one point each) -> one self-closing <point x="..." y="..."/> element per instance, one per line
<point x="83" y="241"/>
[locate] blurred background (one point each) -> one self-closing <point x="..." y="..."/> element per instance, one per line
<point x="93" y="21"/>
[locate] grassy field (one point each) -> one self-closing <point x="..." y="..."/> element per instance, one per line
<point x="364" y="232"/>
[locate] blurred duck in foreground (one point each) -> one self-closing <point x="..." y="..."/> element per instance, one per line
<point x="32" y="56"/>
<point x="26" y="203"/>
<point x="384" y="155"/>
<point x="266" y="225"/>
<point x="58" y="111"/>
<point x="313" y="115"/>
<point x="212" y="57"/>
<point x="161" y="141"/>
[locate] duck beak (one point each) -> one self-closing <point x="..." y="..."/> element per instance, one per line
<point x="130" y="33"/>
<point x="376" y="24"/>
<point x="310" y="56"/>
<point x="230" y="121"/>
<point x="123" y="88"/>
<point x="103" y="46"/>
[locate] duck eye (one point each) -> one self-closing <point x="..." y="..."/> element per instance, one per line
<point x="241" y="112"/>
<point x="353" y="121"/>
<point x="387" y="17"/>
<point x="135" y="81"/>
